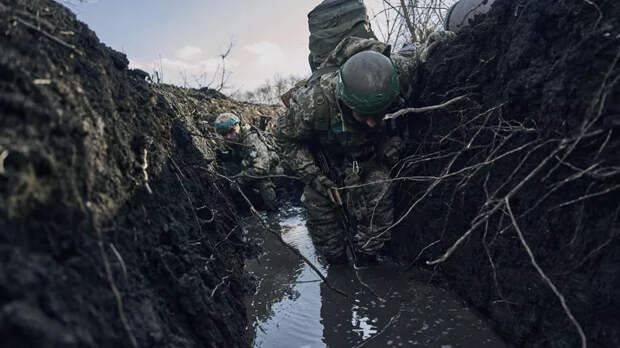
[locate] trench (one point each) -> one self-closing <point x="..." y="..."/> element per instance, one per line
<point x="292" y="307"/>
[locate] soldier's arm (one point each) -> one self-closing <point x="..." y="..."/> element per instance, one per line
<point x="294" y="131"/>
<point x="410" y="57"/>
<point x="257" y="158"/>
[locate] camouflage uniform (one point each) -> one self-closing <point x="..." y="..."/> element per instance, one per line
<point x="252" y="155"/>
<point x="362" y="154"/>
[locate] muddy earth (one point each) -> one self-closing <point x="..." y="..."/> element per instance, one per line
<point x="116" y="230"/>
<point x="535" y="145"/>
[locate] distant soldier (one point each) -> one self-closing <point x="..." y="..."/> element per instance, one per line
<point x="248" y="157"/>
<point x="336" y="118"/>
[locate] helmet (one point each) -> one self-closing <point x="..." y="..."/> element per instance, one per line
<point x="225" y="122"/>
<point x="368" y="82"/>
<point x="462" y="12"/>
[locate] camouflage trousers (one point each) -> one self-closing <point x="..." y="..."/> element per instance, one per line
<point x="267" y="191"/>
<point x="260" y="191"/>
<point x="370" y="202"/>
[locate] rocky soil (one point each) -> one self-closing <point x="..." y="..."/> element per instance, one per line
<point x="114" y="231"/>
<point x="530" y="160"/>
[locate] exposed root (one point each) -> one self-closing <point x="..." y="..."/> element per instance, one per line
<point x="555" y="290"/>
<point x="420" y="254"/>
<point x="114" y="288"/>
<point x="222" y="282"/>
<point x="425" y="108"/>
<point x="588" y="196"/>
<point x="483" y="217"/>
<point x="120" y="260"/>
<point x="145" y="165"/>
<point x="3" y="155"/>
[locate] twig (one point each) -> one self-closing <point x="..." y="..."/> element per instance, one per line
<point x="424" y="109"/>
<point x="266" y="176"/>
<point x="544" y="276"/>
<point x="410" y="23"/>
<point x="420" y="254"/>
<point x="600" y="193"/>
<point x="480" y="219"/>
<point x="278" y="236"/>
<point x="390" y="322"/>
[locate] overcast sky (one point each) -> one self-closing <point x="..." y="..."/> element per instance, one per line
<point x="186" y="37"/>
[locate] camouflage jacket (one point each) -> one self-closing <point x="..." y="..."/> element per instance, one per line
<point x="255" y="153"/>
<point x="316" y="116"/>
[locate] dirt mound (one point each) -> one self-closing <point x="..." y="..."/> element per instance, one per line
<point x="114" y="230"/>
<point x="528" y="161"/>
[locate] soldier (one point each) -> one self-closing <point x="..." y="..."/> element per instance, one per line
<point x="340" y="112"/>
<point x="248" y="157"/>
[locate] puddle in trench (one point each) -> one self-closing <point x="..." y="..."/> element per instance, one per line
<point x="293" y="308"/>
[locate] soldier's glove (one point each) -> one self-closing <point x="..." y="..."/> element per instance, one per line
<point x="327" y="188"/>
<point x="393" y="150"/>
<point x="435" y="39"/>
<point x="334" y="196"/>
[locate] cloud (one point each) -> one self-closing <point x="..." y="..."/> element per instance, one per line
<point x="267" y="53"/>
<point x="188" y="67"/>
<point x="189" y="53"/>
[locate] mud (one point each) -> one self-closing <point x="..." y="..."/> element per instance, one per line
<point x="114" y="229"/>
<point x="539" y="130"/>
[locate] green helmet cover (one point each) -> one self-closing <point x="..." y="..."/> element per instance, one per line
<point x="371" y="98"/>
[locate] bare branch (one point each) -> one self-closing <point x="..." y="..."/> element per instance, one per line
<point x="425" y="108"/>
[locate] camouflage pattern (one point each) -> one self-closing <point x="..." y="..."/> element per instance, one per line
<point x="362" y="154"/>
<point x="331" y="21"/>
<point x="257" y="157"/>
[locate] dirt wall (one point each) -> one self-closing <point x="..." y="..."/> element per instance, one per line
<point x="529" y="160"/>
<point x="114" y="229"/>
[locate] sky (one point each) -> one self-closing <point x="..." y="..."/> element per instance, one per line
<point x="185" y="38"/>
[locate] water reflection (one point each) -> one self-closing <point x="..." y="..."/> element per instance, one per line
<point x="292" y="308"/>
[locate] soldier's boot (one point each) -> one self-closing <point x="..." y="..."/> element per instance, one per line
<point x="364" y="260"/>
<point x="367" y="245"/>
<point x="339" y="259"/>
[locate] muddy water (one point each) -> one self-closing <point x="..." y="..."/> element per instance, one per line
<point x="293" y="308"/>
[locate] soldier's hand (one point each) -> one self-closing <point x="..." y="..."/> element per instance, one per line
<point x="393" y="151"/>
<point x="434" y="40"/>
<point x="334" y="196"/>
<point x="327" y="188"/>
